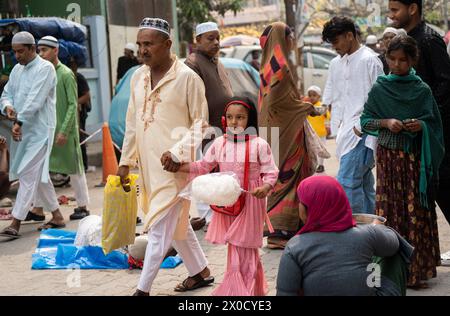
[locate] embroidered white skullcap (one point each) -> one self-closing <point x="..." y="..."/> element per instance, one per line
<point x="49" y="41"/>
<point x="131" y="46"/>
<point x="206" y="27"/>
<point x="316" y="89"/>
<point x="155" y="24"/>
<point x="23" y="38"/>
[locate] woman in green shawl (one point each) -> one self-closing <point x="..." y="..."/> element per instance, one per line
<point x="402" y="112"/>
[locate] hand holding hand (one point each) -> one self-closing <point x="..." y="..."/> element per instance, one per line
<point x="169" y="162"/>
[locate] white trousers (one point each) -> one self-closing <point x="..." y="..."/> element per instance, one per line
<point x="31" y="187"/>
<point x="80" y="188"/>
<point x="160" y="238"/>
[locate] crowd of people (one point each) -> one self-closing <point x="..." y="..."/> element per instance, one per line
<point x="388" y="112"/>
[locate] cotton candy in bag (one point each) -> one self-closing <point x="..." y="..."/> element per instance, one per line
<point x="221" y="188"/>
<point x="119" y="214"/>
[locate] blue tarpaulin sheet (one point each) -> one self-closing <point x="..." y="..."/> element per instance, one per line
<point x="56" y="250"/>
<point x="71" y="36"/>
<point x="59" y="28"/>
<point x="69" y="49"/>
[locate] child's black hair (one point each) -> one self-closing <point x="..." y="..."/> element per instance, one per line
<point x="252" y="125"/>
<point x="405" y="43"/>
<point x="337" y="26"/>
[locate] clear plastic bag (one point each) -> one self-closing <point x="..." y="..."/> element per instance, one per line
<point x="89" y="231"/>
<point x="221" y="188"/>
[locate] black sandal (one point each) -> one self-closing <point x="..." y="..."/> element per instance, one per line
<point x="199" y="282"/>
<point x="34" y="217"/>
<point x="79" y="213"/>
<point x="140" y="293"/>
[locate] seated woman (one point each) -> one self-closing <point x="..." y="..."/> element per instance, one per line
<point x="331" y="255"/>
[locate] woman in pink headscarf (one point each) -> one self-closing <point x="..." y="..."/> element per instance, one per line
<point x="331" y="255"/>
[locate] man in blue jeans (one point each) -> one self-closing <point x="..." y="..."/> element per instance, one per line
<point x="353" y="76"/>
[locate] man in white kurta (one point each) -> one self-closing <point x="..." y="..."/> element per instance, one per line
<point x="29" y="99"/>
<point x="165" y="106"/>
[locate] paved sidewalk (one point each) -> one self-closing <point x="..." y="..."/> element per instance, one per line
<point x="18" y="278"/>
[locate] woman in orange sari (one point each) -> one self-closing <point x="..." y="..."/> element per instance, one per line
<point x="282" y="107"/>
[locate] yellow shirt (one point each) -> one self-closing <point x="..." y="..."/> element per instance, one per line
<point x="318" y="122"/>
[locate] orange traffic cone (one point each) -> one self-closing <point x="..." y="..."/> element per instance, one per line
<point x="110" y="165"/>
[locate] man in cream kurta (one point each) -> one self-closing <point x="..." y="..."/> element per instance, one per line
<point x="167" y="103"/>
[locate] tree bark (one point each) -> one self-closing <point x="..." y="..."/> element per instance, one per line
<point x="290" y="13"/>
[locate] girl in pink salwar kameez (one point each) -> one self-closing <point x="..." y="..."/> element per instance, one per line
<point x="243" y="233"/>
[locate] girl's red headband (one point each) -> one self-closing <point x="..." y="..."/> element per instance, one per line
<point x="224" y="120"/>
<point x="237" y="102"/>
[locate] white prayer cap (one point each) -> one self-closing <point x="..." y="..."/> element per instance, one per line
<point x="131" y="46"/>
<point x="206" y="27"/>
<point x="390" y="30"/>
<point x="371" y="40"/>
<point x="49" y="41"/>
<point x="402" y="32"/>
<point x="316" y="89"/>
<point x="24" y="38"/>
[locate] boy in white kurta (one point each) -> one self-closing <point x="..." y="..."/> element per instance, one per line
<point x="167" y="103"/>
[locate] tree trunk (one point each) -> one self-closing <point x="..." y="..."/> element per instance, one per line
<point x="298" y="62"/>
<point x="290" y="13"/>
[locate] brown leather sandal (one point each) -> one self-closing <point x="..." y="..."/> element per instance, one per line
<point x="199" y="282"/>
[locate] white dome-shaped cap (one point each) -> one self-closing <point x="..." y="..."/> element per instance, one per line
<point x="24" y="38"/>
<point x="206" y="27"/>
<point x="131" y="46"/>
<point x="49" y="41"/>
<point x="371" y="40"/>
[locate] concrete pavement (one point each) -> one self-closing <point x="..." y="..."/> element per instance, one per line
<point x="17" y="278"/>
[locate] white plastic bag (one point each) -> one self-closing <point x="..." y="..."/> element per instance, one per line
<point x="89" y="231"/>
<point x="221" y="188"/>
